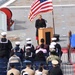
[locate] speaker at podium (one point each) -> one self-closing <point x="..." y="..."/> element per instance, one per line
<point x="46" y="34"/>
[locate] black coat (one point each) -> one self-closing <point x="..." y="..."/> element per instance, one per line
<point x="58" y="49"/>
<point x="40" y="56"/>
<point x="39" y="24"/>
<point x="5" y="47"/>
<point x="56" y="71"/>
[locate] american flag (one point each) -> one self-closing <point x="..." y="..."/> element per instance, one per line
<point x="40" y="6"/>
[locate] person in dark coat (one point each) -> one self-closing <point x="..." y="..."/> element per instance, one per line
<point x="57" y="47"/>
<point x="56" y="69"/>
<point x="29" y="43"/>
<point x="29" y="54"/>
<point x="40" y="56"/>
<point x="40" y="23"/>
<point x="5" y="46"/>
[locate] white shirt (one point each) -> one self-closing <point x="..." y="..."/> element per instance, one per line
<point x="41" y="49"/>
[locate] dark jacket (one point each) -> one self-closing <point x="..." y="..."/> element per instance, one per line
<point x="5" y="47"/>
<point x="40" y="56"/>
<point x="19" y="52"/>
<point x="58" y="49"/>
<point x="56" y="71"/>
<point x="39" y="24"/>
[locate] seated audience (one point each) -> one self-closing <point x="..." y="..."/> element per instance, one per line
<point x="18" y="51"/>
<point x="13" y="59"/>
<point x="28" y="54"/>
<point x="29" y="43"/>
<point x="13" y="71"/>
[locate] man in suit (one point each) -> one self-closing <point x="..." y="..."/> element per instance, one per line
<point x="40" y="23"/>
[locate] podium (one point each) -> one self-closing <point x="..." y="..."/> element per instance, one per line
<point x="46" y="34"/>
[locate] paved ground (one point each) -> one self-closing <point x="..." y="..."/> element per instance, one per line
<point x="24" y="28"/>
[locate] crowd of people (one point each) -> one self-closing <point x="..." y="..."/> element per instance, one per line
<point x="43" y="52"/>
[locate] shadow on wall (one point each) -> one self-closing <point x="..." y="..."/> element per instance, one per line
<point x="19" y="25"/>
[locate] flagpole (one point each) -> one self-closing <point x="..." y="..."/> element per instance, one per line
<point x="53" y="22"/>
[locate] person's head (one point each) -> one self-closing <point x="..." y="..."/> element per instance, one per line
<point x="28" y="43"/>
<point x="40" y="68"/>
<point x="51" y="47"/>
<point x="42" y="41"/>
<point x="28" y="64"/>
<point x="17" y="43"/>
<point x="53" y="43"/>
<point x="54" y="63"/>
<point x="53" y="39"/>
<point x="4" y="34"/>
<point x="42" y="65"/>
<point x="28" y="39"/>
<point x="42" y="46"/>
<point x="40" y="17"/>
<point x="28" y="48"/>
<point x="70" y="33"/>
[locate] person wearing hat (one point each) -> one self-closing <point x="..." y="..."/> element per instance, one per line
<point x="28" y="39"/>
<point x="57" y="46"/>
<point x="28" y="54"/>
<point x="13" y="59"/>
<point x="28" y="69"/>
<point x="52" y="49"/>
<point x="5" y="46"/>
<point x="53" y="56"/>
<point x="18" y="51"/>
<point x="29" y="43"/>
<point x="56" y="69"/>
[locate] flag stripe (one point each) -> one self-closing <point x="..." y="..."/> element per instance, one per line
<point x="40" y="7"/>
<point x="36" y="4"/>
